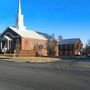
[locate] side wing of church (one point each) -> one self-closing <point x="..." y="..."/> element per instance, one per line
<point x="27" y="42"/>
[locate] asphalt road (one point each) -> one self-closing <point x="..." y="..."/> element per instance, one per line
<point x="68" y="75"/>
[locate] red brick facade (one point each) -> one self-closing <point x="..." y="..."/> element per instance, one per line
<point x="71" y="49"/>
<point x="30" y="46"/>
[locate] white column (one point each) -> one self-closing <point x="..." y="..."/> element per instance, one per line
<point x="1" y="44"/>
<point x="8" y="44"/>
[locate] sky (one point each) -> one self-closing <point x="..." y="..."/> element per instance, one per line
<point x="69" y="18"/>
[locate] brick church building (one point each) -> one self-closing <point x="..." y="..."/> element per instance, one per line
<point x="70" y="47"/>
<point x="27" y="42"/>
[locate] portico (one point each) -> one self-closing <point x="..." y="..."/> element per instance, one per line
<point x="6" y="42"/>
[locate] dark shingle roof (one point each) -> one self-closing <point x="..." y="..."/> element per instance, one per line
<point x="49" y="37"/>
<point x="69" y="41"/>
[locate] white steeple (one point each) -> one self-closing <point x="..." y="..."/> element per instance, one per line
<point x="19" y="11"/>
<point x="20" y="19"/>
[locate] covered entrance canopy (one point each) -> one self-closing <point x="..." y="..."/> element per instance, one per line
<point x="6" y="42"/>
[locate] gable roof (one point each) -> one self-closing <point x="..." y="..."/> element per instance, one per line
<point x="69" y="41"/>
<point x="28" y="34"/>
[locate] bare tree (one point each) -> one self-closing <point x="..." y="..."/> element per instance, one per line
<point x="88" y="43"/>
<point x="52" y="47"/>
<point x="87" y="48"/>
<point x="53" y="36"/>
<point x="60" y="38"/>
<point x="38" y="49"/>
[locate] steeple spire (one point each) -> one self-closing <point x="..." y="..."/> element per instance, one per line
<point x="20" y="21"/>
<point x="19" y="11"/>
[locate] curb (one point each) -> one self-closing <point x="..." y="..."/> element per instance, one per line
<point x="27" y="61"/>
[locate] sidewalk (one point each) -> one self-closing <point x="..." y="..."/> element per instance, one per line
<point x="29" y="59"/>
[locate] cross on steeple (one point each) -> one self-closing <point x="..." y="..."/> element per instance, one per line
<point x="20" y="21"/>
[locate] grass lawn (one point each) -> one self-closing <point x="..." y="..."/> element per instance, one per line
<point x="10" y="57"/>
<point x="37" y="59"/>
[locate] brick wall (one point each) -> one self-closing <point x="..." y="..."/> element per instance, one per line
<point x="28" y="44"/>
